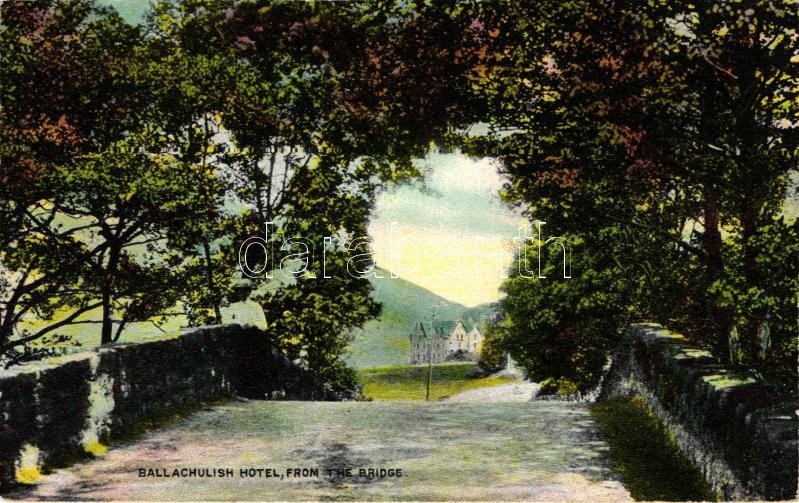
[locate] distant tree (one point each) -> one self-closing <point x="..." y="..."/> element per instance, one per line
<point x="492" y="356"/>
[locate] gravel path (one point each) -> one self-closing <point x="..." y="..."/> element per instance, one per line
<point x="517" y="392"/>
<point x="445" y="451"/>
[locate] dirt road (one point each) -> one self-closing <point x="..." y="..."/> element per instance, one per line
<point x="466" y="449"/>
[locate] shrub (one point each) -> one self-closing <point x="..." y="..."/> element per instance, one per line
<point x="548" y="386"/>
<point x="460" y="355"/>
<point x="561" y="386"/>
<point x="566" y="387"/>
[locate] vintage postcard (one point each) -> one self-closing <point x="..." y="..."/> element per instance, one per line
<point x="399" y="250"/>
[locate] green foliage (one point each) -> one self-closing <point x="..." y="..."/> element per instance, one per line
<point x="63" y="98"/>
<point x="658" y="131"/>
<point x="548" y="386"/>
<point x="566" y="387"/>
<point x="130" y="179"/>
<point x="322" y="116"/>
<point x="492" y="356"/>
<point x="556" y="327"/>
<point x="311" y="318"/>
<point x="133" y="207"/>
<point x="659" y="137"/>
<point x="561" y="386"/>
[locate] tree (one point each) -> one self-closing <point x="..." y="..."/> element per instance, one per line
<point x="492" y="356"/>
<point x="76" y="49"/>
<point x="102" y="217"/>
<point x="563" y="328"/>
<point x="132" y="205"/>
<point x="189" y="91"/>
<point x="634" y="126"/>
<point x="332" y="110"/>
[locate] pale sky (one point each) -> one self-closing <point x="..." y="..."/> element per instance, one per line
<point x="132" y="11"/>
<point x="462" y="231"/>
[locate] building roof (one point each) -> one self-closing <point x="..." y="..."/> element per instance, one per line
<point x="422" y="329"/>
<point x="443" y="328"/>
<point x="476" y="331"/>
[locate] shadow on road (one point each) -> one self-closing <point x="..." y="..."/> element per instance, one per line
<point x="650" y="464"/>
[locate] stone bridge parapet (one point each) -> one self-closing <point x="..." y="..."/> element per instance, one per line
<point x="61" y="409"/>
<point x="739" y="431"/>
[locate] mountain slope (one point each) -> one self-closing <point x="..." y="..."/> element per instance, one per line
<point x="385" y="341"/>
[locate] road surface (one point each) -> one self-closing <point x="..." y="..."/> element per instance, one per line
<point x="462" y="449"/>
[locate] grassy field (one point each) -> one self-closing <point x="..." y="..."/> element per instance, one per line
<point x="86" y="334"/>
<point x="408" y="382"/>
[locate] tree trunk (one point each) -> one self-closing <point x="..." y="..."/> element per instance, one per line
<point x="720" y="317"/>
<point x="751" y="343"/>
<point x="209" y="276"/>
<point x="259" y="203"/>
<point x="107" y="296"/>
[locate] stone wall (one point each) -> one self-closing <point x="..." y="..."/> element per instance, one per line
<point x="57" y="410"/>
<point x="736" y="428"/>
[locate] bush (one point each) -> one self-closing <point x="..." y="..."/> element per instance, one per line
<point x="566" y="387"/>
<point x="561" y="386"/>
<point x="460" y="355"/>
<point x="548" y="386"/>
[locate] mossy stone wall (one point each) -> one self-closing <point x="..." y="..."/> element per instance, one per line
<point x="737" y="429"/>
<point x="61" y="409"/>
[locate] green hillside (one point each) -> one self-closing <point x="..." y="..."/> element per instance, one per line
<point x="385" y="341"/>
